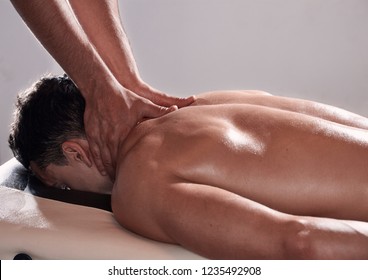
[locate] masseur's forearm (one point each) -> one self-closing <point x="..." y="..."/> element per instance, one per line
<point x="55" y="26"/>
<point x="101" y="22"/>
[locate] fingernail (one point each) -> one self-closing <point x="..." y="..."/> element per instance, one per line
<point x="173" y="108"/>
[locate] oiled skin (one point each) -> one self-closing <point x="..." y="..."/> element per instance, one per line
<point x="240" y="175"/>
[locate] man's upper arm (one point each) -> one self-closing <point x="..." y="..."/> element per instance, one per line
<point x="219" y="224"/>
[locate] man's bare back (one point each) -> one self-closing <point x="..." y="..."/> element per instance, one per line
<point x="240" y="174"/>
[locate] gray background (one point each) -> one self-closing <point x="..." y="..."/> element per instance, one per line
<point x="313" y="49"/>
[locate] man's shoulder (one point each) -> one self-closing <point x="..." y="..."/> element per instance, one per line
<point x="229" y="96"/>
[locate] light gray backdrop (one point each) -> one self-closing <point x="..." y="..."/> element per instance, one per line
<point x="313" y="49"/>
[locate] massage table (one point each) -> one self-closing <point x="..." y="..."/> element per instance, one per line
<point x="40" y="222"/>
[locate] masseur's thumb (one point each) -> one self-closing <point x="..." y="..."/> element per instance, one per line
<point x="154" y="111"/>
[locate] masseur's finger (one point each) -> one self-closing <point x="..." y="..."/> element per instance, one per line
<point x="151" y="111"/>
<point x="94" y="132"/>
<point x="160" y="98"/>
<point x="166" y="100"/>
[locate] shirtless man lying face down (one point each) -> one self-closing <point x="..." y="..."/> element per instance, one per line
<point x="238" y="174"/>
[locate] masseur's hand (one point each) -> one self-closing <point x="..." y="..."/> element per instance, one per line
<point x="89" y="42"/>
<point x="110" y="117"/>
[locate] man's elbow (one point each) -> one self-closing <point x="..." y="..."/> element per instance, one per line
<point x="299" y="243"/>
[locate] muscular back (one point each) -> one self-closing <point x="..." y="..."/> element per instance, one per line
<point x="294" y="156"/>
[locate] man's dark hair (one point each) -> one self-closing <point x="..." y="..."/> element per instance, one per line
<point x="47" y="114"/>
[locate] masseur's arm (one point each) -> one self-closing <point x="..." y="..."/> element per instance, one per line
<point x="106" y="33"/>
<point x="111" y="109"/>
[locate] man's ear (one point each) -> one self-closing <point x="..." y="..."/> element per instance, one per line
<point x="75" y="151"/>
